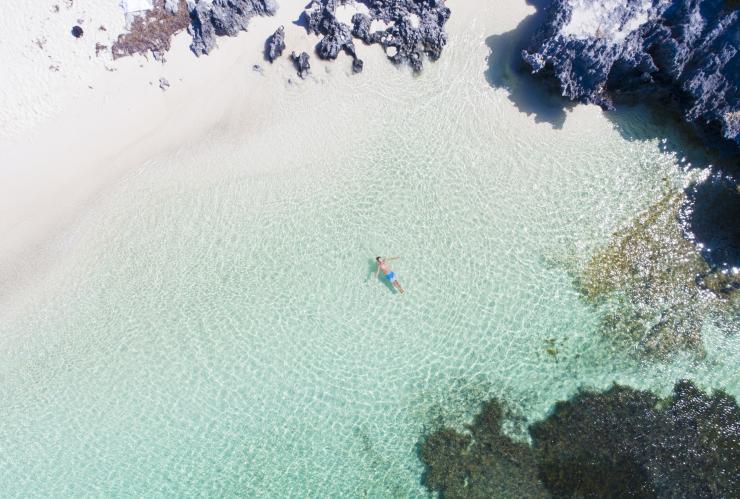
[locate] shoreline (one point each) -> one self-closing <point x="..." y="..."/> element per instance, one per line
<point x="66" y="159"/>
<point x="52" y="172"/>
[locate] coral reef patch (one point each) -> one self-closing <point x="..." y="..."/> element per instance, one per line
<point x="622" y="442"/>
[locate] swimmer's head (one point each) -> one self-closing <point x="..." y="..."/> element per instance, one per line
<point x="377" y="259"/>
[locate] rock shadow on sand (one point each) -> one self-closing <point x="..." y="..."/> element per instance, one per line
<point x="506" y="69"/>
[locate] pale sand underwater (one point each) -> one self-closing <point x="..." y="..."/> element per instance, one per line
<point x="187" y="304"/>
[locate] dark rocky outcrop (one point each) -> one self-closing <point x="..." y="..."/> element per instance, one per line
<point x="619" y="443"/>
<point x="152" y="30"/>
<point x="275" y="44"/>
<point x="223" y="18"/>
<point x="680" y="53"/>
<point x="415" y="28"/>
<point x="301" y="63"/>
<point x="337" y="36"/>
<point x="77" y="31"/>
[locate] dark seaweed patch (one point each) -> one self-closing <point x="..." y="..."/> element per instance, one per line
<point x="619" y="443"/>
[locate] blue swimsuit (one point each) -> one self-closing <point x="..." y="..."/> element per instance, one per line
<point x="391" y="276"/>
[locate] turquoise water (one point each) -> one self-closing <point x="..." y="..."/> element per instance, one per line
<point x="211" y="324"/>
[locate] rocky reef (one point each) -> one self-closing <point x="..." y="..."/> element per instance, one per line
<point x="481" y="463"/>
<point x="412" y="28"/>
<point x="644" y="281"/>
<point x="619" y="443"/>
<point x="681" y="54"/>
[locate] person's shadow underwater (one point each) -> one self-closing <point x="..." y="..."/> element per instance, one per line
<point x="372" y="266"/>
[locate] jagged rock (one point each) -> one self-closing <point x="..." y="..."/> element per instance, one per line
<point x="357" y="66"/>
<point x="171" y="6"/>
<point x="337" y="36"/>
<point x="164" y="84"/>
<point x="415" y="28"/>
<point x="223" y="18"/>
<point x="77" y="31"/>
<point x="275" y="44"/>
<point x="361" y="28"/>
<point x="301" y="63"/>
<point x="682" y="53"/>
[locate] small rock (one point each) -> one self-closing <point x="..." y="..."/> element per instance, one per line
<point x="164" y="84"/>
<point x="257" y="68"/>
<point x="275" y="44"/>
<point x="77" y="32"/>
<point x="301" y="63"/>
<point x="357" y="66"/>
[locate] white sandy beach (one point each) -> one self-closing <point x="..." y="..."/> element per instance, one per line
<point x="65" y="135"/>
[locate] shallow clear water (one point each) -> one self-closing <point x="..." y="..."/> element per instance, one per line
<point x="211" y="324"/>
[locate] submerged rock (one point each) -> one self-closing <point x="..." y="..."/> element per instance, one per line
<point x="275" y="44"/>
<point x="301" y="63"/>
<point x="223" y="18"/>
<point x="628" y="443"/>
<point x="619" y="443"/>
<point x="680" y="53"/>
<point x="645" y="281"/>
<point x="77" y="31"/>
<point x="482" y="463"/>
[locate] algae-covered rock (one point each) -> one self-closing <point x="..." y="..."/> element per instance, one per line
<point x="646" y="282"/>
<point x="484" y="463"/>
<point x="627" y="443"/>
<point x="622" y="442"/>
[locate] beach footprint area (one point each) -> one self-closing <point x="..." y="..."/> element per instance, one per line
<point x="206" y="319"/>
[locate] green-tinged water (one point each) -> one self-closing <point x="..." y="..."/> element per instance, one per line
<point x="211" y="325"/>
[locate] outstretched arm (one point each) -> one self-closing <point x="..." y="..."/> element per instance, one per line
<point x="394" y="258"/>
<point x="377" y="271"/>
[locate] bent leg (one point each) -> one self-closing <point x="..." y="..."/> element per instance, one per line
<point x="398" y="286"/>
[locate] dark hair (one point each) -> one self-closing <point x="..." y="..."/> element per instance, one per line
<point x="377" y="258"/>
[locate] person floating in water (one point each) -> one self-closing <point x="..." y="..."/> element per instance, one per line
<point x="389" y="274"/>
